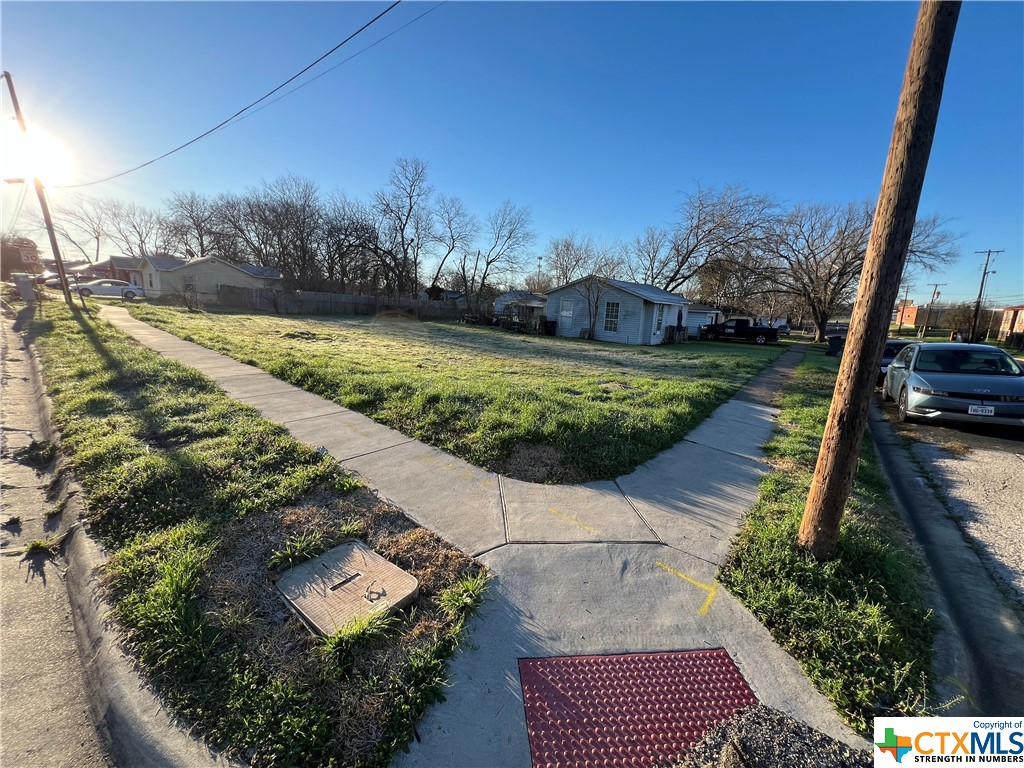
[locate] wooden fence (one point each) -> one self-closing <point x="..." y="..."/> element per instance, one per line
<point x="319" y="303"/>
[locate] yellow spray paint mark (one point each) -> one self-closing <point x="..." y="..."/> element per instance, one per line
<point x="711" y="589"/>
<point x="574" y="521"/>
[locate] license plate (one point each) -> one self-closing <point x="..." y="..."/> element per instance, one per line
<point x="981" y="410"/>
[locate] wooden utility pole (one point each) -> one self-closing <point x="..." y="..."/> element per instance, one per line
<point x="895" y="215"/>
<point x="902" y="310"/>
<point x="41" y="194"/>
<point x="985" y="272"/>
<point x="928" y="315"/>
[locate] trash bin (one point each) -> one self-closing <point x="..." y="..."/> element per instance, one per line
<point x="26" y="286"/>
<point x="835" y="345"/>
<point x="550" y="327"/>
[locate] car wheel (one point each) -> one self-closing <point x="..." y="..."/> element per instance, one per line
<point x="85" y="292"/>
<point x="760" y="339"/>
<point x="129" y="295"/>
<point x="901" y="408"/>
<point x="710" y="336"/>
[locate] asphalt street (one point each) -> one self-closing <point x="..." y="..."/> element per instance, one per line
<point x="977" y="472"/>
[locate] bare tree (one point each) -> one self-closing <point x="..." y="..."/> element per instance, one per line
<point x="403" y="221"/>
<point x="454" y="229"/>
<point x="138" y="231"/>
<point x="714" y="226"/>
<point x="79" y="221"/>
<point x="816" y="254"/>
<point x="569" y="257"/>
<point x="191" y="219"/>
<point x="650" y="256"/>
<point x="507" y="234"/>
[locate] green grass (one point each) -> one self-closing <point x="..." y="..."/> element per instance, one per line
<point x="536" y="408"/>
<point x="858" y="625"/>
<point x="193" y="495"/>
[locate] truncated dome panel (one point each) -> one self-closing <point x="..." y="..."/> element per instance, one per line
<point x="345" y="582"/>
<point x="640" y="709"/>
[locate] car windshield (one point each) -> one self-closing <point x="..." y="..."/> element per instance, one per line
<point x="977" y="361"/>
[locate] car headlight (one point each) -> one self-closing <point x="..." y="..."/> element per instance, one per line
<point x="937" y="392"/>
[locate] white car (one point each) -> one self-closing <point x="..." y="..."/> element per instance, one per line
<point x="117" y="288"/>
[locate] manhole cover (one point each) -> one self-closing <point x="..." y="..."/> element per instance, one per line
<point x="639" y="709"/>
<point x="345" y="582"/>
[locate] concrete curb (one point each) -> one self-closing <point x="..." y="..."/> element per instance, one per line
<point x="980" y="646"/>
<point x="133" y="725"/>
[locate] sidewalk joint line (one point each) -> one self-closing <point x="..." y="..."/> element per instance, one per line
<point x="690" y="554"/>
<point x="598" y="541"/>
<point x="637" y="510"/>
<point x="487" y="551"/>
<point x="307" y="418"/>
<point x="378" y="450"/>
<point x="501" y="500"/>
<point x="729" y="453"/>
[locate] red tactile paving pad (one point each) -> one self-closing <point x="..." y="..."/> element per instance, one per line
<point x="638" y="709"/>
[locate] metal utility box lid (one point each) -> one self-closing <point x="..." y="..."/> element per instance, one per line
<point x="348" y="581"/>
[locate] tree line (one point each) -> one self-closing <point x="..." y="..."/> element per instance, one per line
<point x="728" y="247"/>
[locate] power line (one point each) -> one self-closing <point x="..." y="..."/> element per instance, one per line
<point x="221" y="124"/>
<point x="332" y="68"/>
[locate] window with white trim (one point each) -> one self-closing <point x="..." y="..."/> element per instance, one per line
<point x="611" y="317"/>
<point x="659" y="318"/>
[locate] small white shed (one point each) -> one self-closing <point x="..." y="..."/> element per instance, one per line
<point x="621" y="312"/>
<point x="701" y="314"/>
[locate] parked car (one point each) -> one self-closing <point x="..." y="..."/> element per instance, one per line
<point x="892" y="348"/>
<point x="118" y="288"/>
<point x="740" y="328"/>
<point x="974" y="383"/>
<point x="54" y="282"/>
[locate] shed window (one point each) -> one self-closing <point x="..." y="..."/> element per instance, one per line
<point x="150" y="279"/>
<point x="659" y="318"/>
<point x="611" y="317"/>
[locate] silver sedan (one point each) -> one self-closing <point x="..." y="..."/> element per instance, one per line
<point x="974" y="383"/>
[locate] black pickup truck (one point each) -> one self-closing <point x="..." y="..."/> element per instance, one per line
<point x="740" y="328"/>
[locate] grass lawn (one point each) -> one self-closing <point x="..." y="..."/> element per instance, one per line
<point x="201" y="503"/>
<point x="858" y="625"/>
<point x="534" y="408"/>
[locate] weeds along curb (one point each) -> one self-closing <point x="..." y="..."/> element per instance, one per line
<point x="135" y="728"/>
<point x="979" y="649"/>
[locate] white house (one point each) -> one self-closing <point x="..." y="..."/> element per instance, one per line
<point x="621" y="312"/>
<point x="168" y="276"/>
<point x="528" y="304"/>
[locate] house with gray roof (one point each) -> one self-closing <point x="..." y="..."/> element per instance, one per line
<point x="171" y="276"/>
<point x="606" y="309"/>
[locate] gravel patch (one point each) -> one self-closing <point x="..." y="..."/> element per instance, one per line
<point x="984" y="489"/>
<point x="762" y="737"/>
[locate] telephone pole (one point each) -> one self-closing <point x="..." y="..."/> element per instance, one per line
<point x="42" y="199"/>
<point x="928" y="314"/>
<point x="985" y="272"/>
<point x="891" y="230"/>
<point x="903" y="308"/>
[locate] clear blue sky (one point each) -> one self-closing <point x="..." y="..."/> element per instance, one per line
<point x="598" y="116"/>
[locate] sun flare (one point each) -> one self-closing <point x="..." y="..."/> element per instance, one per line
<point x="34" y="154"/>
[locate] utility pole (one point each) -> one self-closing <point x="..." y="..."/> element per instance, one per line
<point x="928" y="315"/>
<point x="893" y="226"/>
<point x="903" y="308"/>
<point x="985" y="272"/>
<point x="42" y="199"/>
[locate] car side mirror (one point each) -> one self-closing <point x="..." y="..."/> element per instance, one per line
<point x="898" y="364"/>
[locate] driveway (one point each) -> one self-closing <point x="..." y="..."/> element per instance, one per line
<point x="978" y="473"/>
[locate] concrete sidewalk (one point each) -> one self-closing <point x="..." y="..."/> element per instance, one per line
<point x="609" y="567"/>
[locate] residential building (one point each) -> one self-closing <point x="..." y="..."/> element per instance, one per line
<point x="617" y="311"/>
<point x="169" y="276"/>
